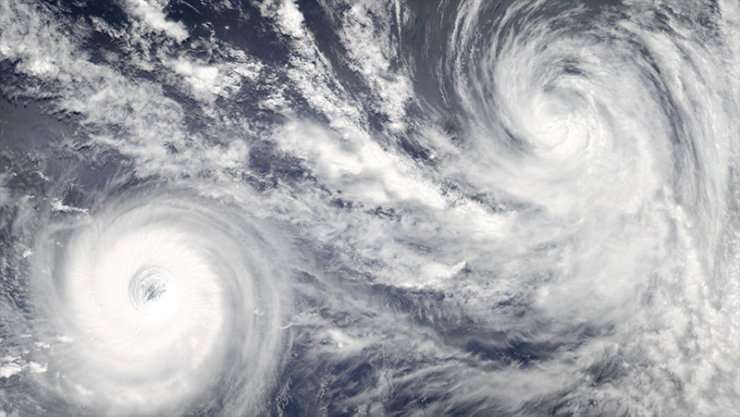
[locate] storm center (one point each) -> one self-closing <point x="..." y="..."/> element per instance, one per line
<point x="149" y="286"/>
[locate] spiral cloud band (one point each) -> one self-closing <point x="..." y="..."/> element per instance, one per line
<point x="156" y="299"/>
<point x="370" y="207"/>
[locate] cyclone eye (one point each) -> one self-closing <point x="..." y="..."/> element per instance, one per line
<point x="149" y="285"/>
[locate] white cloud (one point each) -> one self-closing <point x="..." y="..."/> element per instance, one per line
<point x="152" y="14"/>
<point x="371" y="47"/>
<point x="358" y="166"/>
<point x="9" y="369"/>
<point x="207" y="81"/>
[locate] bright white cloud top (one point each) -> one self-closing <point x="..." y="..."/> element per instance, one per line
<point x="158" y="300"/>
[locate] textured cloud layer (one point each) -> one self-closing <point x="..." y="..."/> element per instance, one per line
<point x="370" y="207"/>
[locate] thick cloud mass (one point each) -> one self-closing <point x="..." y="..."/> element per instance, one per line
<point x="369" y="208"/>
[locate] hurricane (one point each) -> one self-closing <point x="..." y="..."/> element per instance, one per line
<point x="369" y="208"/>
<point x="159" y="294"/>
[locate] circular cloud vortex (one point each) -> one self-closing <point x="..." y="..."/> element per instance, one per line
<point x="156" y="303"/>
